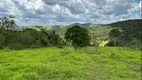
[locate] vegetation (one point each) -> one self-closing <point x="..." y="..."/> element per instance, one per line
<point x="29" y="38"/>
<point x="54" y="64"/>
<point x="7" y="24"/>
<point x="78" y="36"/>
<point x="131" y="33"/>
<point x="90" y="62"/>
<point x="99" y="35"/>
<point x="114" y="35"/>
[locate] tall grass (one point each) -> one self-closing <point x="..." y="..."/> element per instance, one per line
<point x="65" y="64"/>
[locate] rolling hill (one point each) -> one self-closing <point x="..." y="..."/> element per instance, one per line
<point x="131" y="30"/>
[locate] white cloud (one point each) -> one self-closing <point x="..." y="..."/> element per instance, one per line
<point x="31" y="4"/>
<point x="140" y="4"/>
<point x="48" y="12"/>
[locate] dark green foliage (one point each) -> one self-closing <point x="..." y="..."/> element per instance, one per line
<point x="114" y="35"/>
<point x="131" y="29"/>
<point x="111" y="43"/>
<point x="61" y="43"/>
<point x="54" y="38"/>
<point x="27" y="38"/>
<point x="32" y="38"/>
<point x="7" y="22"/>
<point x="2" y="39"/>
<point x="135" y="44"/>
<point x="1" y="30"/>
<point x="78" y="36"/>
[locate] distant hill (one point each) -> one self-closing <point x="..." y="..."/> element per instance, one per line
<point x="131" y="32"/>
<point x="131" y="28"/>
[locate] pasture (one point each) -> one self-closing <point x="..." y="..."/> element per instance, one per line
<point x="52" y="63"/>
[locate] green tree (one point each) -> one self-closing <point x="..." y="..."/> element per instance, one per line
<point x="7" y="23"/>
<point x="114" y="35"/>
<point x="2" y="39"/>
<point x="78" y="36"/>
<point x="54" y="38"/>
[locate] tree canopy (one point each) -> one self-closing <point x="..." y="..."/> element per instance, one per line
<point x="7" y="22"/>
<point x="114" y="35"/>
<point x="78" y="36"/>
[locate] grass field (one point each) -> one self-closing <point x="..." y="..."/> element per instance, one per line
<point x="65" y="64"/>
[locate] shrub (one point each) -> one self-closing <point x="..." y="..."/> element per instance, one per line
<point x="15" y="46"/>
<point x="2" y="39"/>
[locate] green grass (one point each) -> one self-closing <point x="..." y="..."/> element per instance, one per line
<point x="47" y="27"/>
<point x="35" y="28"/>
<point x="64" y="64"/>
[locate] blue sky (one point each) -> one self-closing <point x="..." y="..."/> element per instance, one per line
<point x="64" y="12"/>
<point x="138" y="1"/>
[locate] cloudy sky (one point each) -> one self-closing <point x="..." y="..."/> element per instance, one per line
<point x="63" y="12"/>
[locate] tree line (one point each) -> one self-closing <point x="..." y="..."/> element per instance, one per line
<point x="131" y="33"/>
<point x="26" y="38"/>
<point x="31" y="38"/>
<point x="76" y="35"/>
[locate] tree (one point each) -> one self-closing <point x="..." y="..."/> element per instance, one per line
<point x="2" y="39"/>
<point x="7" y="23"/>
<point x="1" y="30"/>
<point x="78" y="36"/>
<point x="114" y="35"/>
<point x="54" y="38"/>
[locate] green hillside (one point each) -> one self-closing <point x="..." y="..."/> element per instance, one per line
<point x="34" y="28"/>
<point x="131" y="28"/>
<point x="42" y="52"/>
<point x="131" y="31"/>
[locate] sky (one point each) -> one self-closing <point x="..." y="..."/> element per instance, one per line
<point x="65" y="12"/>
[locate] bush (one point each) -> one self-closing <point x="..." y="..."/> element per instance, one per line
<point x="135" y="44"/>
<point x="15" y="46"/>
<point x="112" y="44"/>
<point x="2" y="39"/>
<point x="37" y="44"/>
<point x="28" y="38"/>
